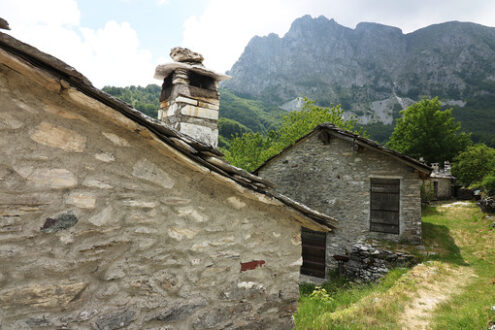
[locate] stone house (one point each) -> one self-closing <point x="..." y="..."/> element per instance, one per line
<point x="373" y="191"/>
<point x="110" y="219"/>
<point x="441" y="181"/>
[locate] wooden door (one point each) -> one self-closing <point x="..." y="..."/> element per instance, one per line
<point x="385" y="205"/>
<point x="313" y="252"/>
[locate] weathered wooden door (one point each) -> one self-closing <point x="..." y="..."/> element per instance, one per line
<point x="385" y="205"/>
<point x="313" y="252"/>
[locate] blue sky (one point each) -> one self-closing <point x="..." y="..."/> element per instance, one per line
<point x="120" y="42"/>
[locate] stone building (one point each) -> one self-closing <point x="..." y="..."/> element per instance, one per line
<point x="373" y="191"/>
<point x="110" y="219"/>
<point x="442" y="181"/>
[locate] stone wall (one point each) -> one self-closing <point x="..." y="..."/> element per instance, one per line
<point x="444" y="190"/>
<point x="102" y="226"/>
<point x="191" y="116"/>
<point x="367" y="263"/>
<point x="335" y="179"/>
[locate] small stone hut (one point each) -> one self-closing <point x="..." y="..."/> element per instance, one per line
<point x="373" y="191"/>
<point x="110" y="219"/>
<point x="442" y="181"/>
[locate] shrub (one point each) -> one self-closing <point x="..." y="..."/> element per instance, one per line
<point x="427" y="192"/>
<point x="321" y="295"/>
<point x="472" y="165"/>
<point x="488" y="184"/>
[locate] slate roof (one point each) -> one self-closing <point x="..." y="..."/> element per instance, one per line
<point x="335" y="131"/>
<point x="199" y="152"/>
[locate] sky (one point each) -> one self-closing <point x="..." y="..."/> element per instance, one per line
<point x="120" y="42"/>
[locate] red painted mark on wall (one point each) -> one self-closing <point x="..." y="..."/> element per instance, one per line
<point x="251" y="265"/>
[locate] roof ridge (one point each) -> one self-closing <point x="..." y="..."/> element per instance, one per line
<point x="358" y="138"/>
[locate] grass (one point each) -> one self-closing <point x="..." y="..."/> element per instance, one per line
<point x="475" y="239"/>
<point x="459" y="246"/>
<point x="345" y="294"/>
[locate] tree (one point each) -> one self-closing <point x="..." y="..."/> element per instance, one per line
<point x="472" y="165"/>
<point x="424" y="130"/>
<point x="251" y="150"/>
<point x="299" y="123"/>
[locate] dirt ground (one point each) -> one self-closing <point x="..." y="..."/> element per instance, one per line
<point x="417" y="313"/>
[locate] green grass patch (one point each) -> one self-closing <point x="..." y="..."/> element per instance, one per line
<point x="344" y="294"/>
<point x="457" y="239"/>
<point x="475" y="240"/>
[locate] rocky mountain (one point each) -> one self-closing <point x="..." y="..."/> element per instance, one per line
<point x="374" y="70"/>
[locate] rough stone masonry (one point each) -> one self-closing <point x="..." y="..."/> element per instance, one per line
<point x="103" y="226"/>
<point x="334" y="178"/>
<point x="189" y="100"/>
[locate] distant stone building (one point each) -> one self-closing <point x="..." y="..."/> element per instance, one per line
<point x="442" y="182"/>
<point x="373" y="191"/>
<point x="110" y="219"/>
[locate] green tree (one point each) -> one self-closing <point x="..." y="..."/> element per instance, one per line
<point x="472" y="165"/>
<point x="251" y="150"/>
<point x="424" y="130"/>
<point x="299" y="123"/>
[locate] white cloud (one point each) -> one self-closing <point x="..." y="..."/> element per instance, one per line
<point x="222" y="31"/>
<point x="226" y="26"/>
<point x="107" y="56"/>
<point x="162" y="2"/>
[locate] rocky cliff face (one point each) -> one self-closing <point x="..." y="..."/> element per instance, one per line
<point x="373" y="70"/>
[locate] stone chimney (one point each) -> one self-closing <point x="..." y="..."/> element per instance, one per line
<point x="436" y="167"/>
<point x="447" y="167"/>
<point x="189" y="100"/>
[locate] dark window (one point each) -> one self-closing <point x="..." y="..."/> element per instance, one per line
<point x="201" y="81"/>
<point x="435" y="188"/>
<point x="166" y="88"/>
<point x="313" y="252"/>
<point x="384" y="205"/>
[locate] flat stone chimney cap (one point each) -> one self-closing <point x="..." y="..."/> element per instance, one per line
<point x="186" y="59"/>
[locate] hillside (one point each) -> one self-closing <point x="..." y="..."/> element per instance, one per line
<point x="374" y="70"/>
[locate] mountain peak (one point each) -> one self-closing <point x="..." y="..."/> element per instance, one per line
<point x="373" y="70"/>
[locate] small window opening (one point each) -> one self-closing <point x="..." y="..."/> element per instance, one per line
<point x="201" y="81"/>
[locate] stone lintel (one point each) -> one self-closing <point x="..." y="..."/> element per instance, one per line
<point x="208" y="100"/>
<point x="197" y="112"/>
<point x="208" y="106"/>
<point x="211" y="104"/>
<point x="188" y="100"/>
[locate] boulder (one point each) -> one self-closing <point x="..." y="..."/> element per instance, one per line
<point x="179" y="54"/>
<point x="488" y="204"/>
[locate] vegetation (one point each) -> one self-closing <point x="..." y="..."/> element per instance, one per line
<point x="477" y="116"/>
<point x="424" y="130"/>
<point x="145" y="99"/>
<point x="250" y="150"/>
<point x="427" y="192"/>
<point x="473" y="164"/>
<point x="228" y="128"/>
<point x="379" y="132"/>
<point x="488" y="184"/>
<point x="256" y="115"/>
<point x="457" y="263"/>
